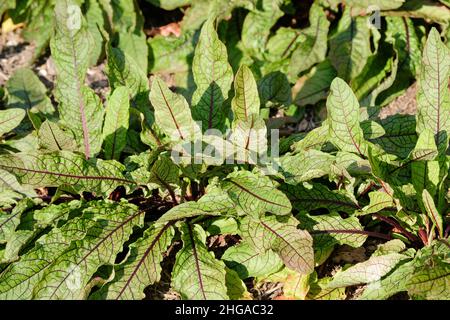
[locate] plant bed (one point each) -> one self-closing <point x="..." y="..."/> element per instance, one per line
<point x="265" y="150"/>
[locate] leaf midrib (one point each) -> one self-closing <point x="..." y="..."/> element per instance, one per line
<point x="255" y="195"/>
<point x="90" y="251"/>
<point x="67" y="175"/>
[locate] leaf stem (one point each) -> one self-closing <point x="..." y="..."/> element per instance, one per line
<point x="397" y="225"/>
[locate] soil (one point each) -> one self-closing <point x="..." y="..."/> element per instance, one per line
<point x="404" y="104"/>
<point x="14" y="54"/>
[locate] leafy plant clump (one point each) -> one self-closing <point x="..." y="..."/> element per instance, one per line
<point x="198" y="178"/>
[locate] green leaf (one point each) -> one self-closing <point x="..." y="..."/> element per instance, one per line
<point x="170" y="4"/>
<point x="432" y="212"/>
<point x="53" y="138"/>
<point x="430" y="283"/>
<point x="350" y="46"/>
<point x="197" y="275"/>
<point x="401" y="32"/>
<point x="316" y="195"/>
<point x="27" y="92"/>
<point x="39" y="19"/>
<point x="171" y="54"/>
<point x="380" y="4"/>
<point x="281" y="45"/>
<point x="5" y="5"/>
<point x="248" y="263"/>
<point x="122" y="70"/>
<point x="343" y="112"/>
<point x="165" y="173"/>
<point x="433" y="102"/>
<point x="249" y="138"/>
<point x="319" y="290"/>
<point x="117" y="114"/>
<point x="9" y="119"/>
<point x="141" y="268"/>
<point x="10" y="221"/>
<point x="425" y="277"/>
<point x="294" y="246"/>
<point x="379" y="200"/>
<point x="67" y="170"/>
<point x="315" y="85"/>
<point x="425" y="148"/>
<point x="95" y="21"/>
<point x="392" y="246"/>
<point x="377" y="75"/>
<point x="255" y="194"/>
<point x="185" y="210"/>
<point x="330" y="230"/>
<point x="236" y="288"/>
<point x="20" y="278"/>
<point x="70" y="272"/>
<point x="172" y="113"/>
<point x="257" y="25"/>
<point x="368" y="271"/>
<point x="429" y="10"/>
<point x="403" y="36"/>
<point x="274" y="89"/>
<point x="400" y="135"/>
<point x="58" y="214"/>
<point x="245" y="103"/>
<point x="79" y="107"/>
<point x="314" y="48"/>
<point x="129" y="23"/>
<point x="314" y="139"/>
<point x="305" y="166"/>
<point x="213" y="77"/>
